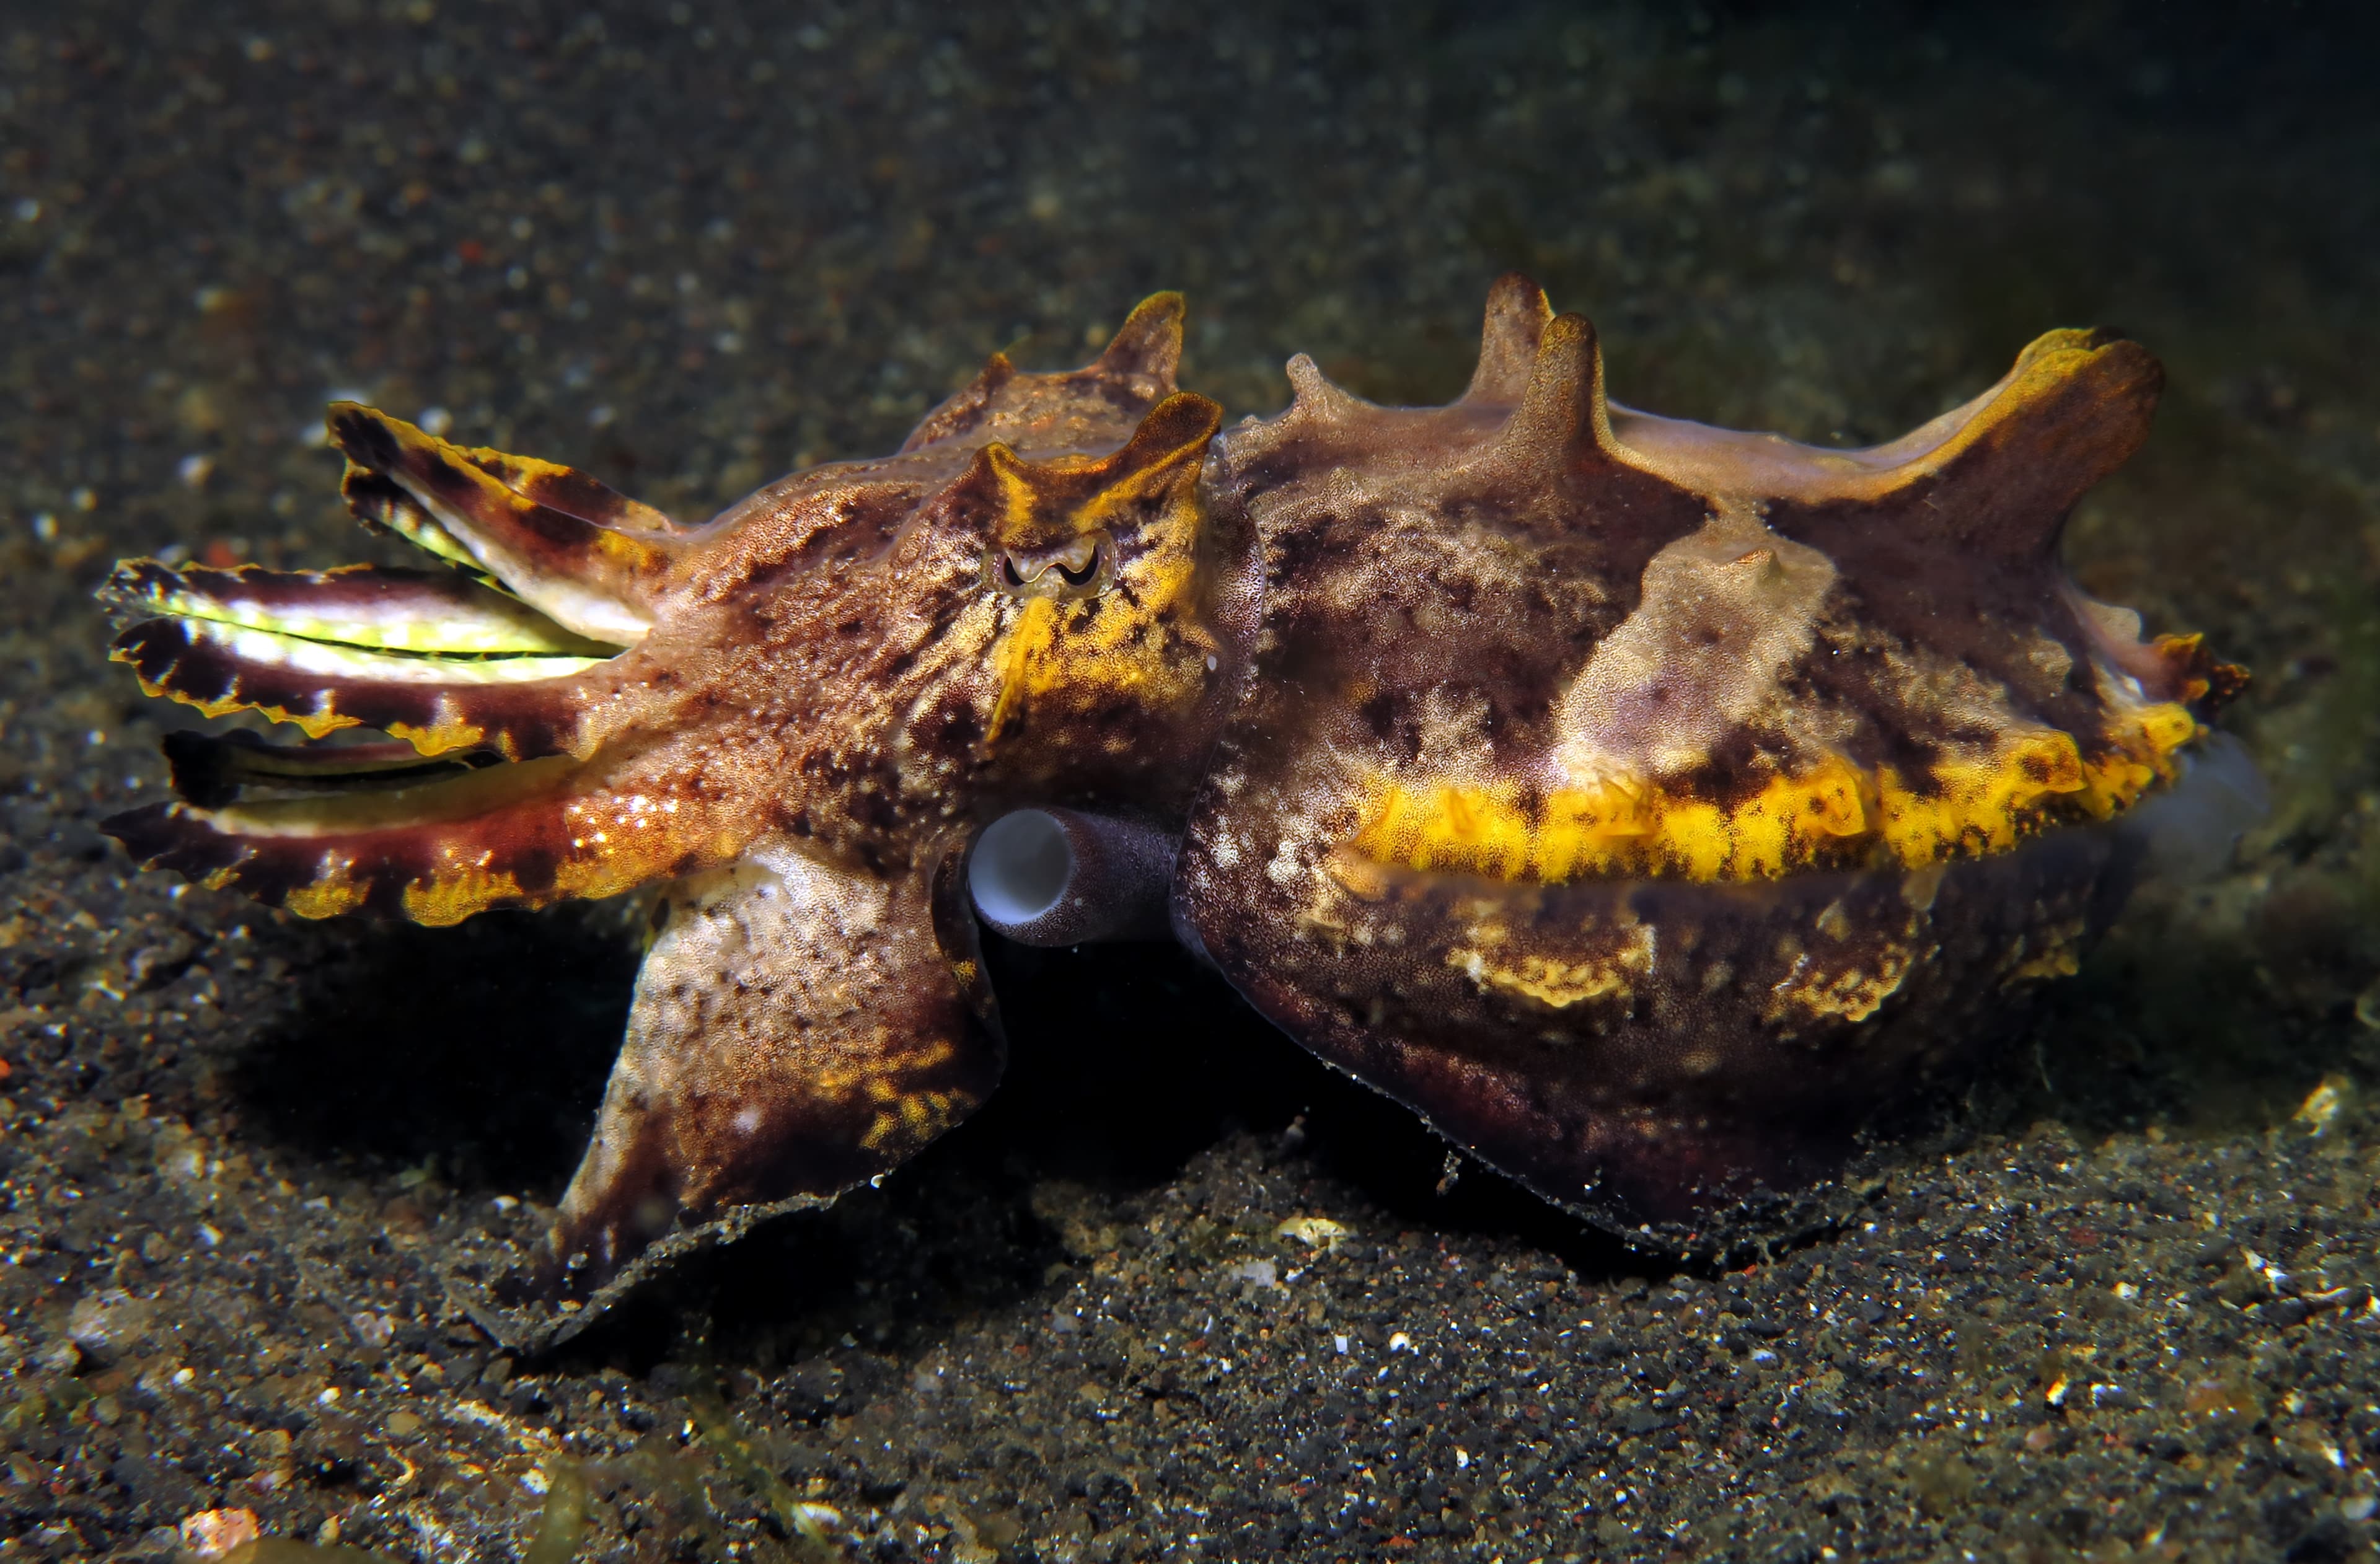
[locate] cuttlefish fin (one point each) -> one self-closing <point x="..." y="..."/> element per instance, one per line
<point x="798" y="1029"/>
<point x="591" y="559"/>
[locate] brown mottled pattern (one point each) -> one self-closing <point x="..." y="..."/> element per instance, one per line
<point x="828" y="692"/>
<point x="797" y="1030"/>
<point x="1529" y="587"/>
<point x="1067" y="589"/>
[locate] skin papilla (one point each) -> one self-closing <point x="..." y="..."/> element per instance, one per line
<point x="1650" y="807"/>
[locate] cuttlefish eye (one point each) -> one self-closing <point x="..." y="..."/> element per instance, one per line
<point x="1081" y="567"/>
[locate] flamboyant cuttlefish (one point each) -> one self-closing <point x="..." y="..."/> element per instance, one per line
<point x="1644" y="804"/>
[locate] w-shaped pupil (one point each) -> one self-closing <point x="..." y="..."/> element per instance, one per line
<point x="1015" y="578"/>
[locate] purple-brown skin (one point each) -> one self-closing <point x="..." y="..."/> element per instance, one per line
<point x="1646" y="806"/>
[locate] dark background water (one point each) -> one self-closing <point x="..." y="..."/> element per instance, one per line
<point x="687" y="248"/>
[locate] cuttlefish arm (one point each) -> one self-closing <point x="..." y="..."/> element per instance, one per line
<point x="594" y="561"/>
<point x="799" y="1029"/>
<point x="791" y="720"/>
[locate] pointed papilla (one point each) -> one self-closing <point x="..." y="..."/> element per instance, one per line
<point x="1315" y="398"/>
<point x="1516" y="324"/>
<point x="965" y="408"/>
<point x="1991" y="481"/>
<point x="1564" y="422"/>
<point x="2074" y="408"/>
<point x="1148" y="347"/>
<point x="1071" y="409"/>
<point x="1072" y="494"/>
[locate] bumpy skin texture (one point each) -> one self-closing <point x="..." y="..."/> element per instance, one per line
<point x="1644" y="804"/>
<point x="798" y="714"/>
<point x="1647" y="804"/>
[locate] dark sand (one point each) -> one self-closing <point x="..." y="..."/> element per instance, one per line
<point x="2128" y="1314"/>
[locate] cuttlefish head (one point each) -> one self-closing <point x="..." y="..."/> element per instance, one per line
<point x="792" y="719"/>
<point x="1037" y="603"/>
<point x="1106" y="606"/>
<point x="1103" y="573"/>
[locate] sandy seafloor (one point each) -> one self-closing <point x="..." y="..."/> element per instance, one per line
<point x="2125" y="1313"/>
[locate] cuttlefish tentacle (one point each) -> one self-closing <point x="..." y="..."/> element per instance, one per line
<point x="431" y="657"/>
<point x="798" y="1029"/>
